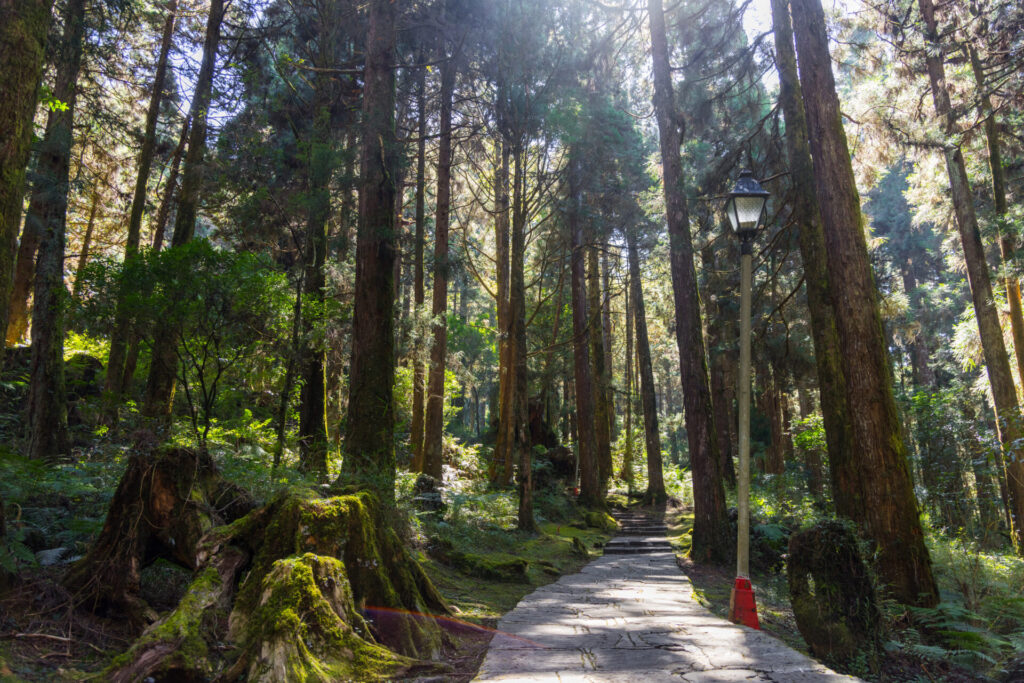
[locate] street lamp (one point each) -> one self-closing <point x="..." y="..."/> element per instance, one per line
<point x="746" y="210"/>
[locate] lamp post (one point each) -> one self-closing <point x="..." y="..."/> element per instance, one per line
<point x="746" y="210"/>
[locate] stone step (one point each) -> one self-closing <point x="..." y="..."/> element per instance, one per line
<point x="635" y="550"/>
<point x="643" y="532"/>
<point x="640" y="521"/>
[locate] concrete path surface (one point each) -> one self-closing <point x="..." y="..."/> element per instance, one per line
<point x="633" y="618"/>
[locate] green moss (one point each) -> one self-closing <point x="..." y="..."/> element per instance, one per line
<point x="597" y="519"/>
<point x="305" y="627"/>
<point x="182" y="626"/>
<point x="353" y="530"/>
<point x="548" y="555"/>
<point x="495" y="567"/>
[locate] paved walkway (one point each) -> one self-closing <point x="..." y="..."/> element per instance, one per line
<point x="633" y="618"/>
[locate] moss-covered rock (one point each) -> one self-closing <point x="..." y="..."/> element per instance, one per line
<point x="493" y="567"/>
<point x="834" y="600"/>
<point x="596" y="519"/>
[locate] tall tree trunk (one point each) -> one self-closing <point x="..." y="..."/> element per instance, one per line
<point x="627" y="455"/>
<point x="162" y="372"/>
<point x="837" y="415"/>
<point x="170" y="187"/>
<point x="723" y="384"/>
<point x="878" y="492"/>
<point x="502" y="462"/>
<point x="606" y="340"/>
<point x="1007" y="248"/>
<point x="289" y="374"/>
<point x="566" y="413"/>
<point x="711" y="535"/>
<point x="520" y="422"/>
<point x="24" y="273"/>
<point x="590" y="490"/>
<point x="370" y="425"/>
<point x="548" y="397"/>
<point x="348" y="195"/>
<point x="602" y="419"/>
<point x="23" y="28"/>
<point x="83" y="256"/>
<point x="988" y="484"/>
<point x="997" y="362"/>
<point x="645" y="376"/>
<point x="119" y="339"/>
<point x="313" y="357"/>
<point x="47" y="401"/>
<point x="434" y="424"/>
<point x="771" y="406"/>
<point x="418" y="375"/>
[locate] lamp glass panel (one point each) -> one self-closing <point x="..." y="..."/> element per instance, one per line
<point x="748" y="210"/>
<point x="730" y="211"/>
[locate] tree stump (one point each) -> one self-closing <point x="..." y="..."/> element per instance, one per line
<point x="834" y="599"/>
<point x="304" y="588"/>
<point x="166" y="500"/>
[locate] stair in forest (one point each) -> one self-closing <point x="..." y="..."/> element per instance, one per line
<point x="638" y="534"/>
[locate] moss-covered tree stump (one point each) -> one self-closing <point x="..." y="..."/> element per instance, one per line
<point x="834" y="600"/>
<point x="305" y="588"/>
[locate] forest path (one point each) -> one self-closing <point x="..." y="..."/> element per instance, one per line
<point x="633" y="618"/>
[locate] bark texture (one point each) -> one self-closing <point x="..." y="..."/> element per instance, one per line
<point x="370" y="426"/>
<point x="47" y="399"/>
<point x="645" y="376"/>
<point x="711" y="536"/>
<point x="590" y="491"/>
<point x="877" y="491"/>
<point x="502" y="464"/>
<point x="520" y="416"/>
<point x="23" y="28"/>
<point x="836" y="413"/>
<point x="1007" y="246"/>
<point x="602" y="417"/>
<point x="418" y="380"/>
<point x="434" y="424"/>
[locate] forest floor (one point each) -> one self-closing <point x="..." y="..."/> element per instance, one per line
<point x="42" y="639"/>
<point x="482" y="568"/>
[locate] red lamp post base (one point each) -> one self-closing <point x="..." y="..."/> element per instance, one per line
<point x="742" y="606"/>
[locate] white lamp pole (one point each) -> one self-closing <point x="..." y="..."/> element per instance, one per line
<point x="746" y="211"/>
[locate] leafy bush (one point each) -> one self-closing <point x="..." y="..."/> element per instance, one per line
<point x="214" y="306"/>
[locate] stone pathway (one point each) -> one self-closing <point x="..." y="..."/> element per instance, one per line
<point x="632" y="617"/>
